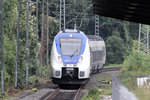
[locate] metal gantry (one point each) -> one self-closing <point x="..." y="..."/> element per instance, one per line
<point x="20" y="47"/>
<point x="2" y="47"/>
<point x="62" y="20"/>
<point x="32" y="40"/>
<point x="143" y="42"/>
<point x="97" y="25"/>
<point x="26" y="49"/>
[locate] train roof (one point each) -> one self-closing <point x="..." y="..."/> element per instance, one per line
<point x="70" y="31"/>
<point x="94" y="38"/>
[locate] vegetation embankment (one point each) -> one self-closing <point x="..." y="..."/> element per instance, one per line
<point x="113" y="65"/>
<point x="136" y="63"/>
<point x="136" y="68"/>
<point x="96" y="93"/>
<point x="93" y="94"/>
<point x="100" y="88"/>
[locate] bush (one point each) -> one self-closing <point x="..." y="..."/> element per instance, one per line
<point x="136" y="63"/>
<point x="116" y="50"/>
<point x="93" y="94"/>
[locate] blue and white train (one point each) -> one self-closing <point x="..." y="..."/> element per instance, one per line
<point x="74" y="56"/>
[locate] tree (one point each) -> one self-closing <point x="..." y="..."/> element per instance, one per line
<point x="10" y="19"/>
<point x="116" y="50"/>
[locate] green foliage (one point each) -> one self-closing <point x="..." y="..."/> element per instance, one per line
<point x="93" y="94"/>
<point x="92" y="91"/>
<point x="133" y="30"/>
<point x="136" y="63"/>
<point x="113" y="65"/>
<point x="32" y="79"/>
<point x="1" y="96"/>
<point x="116" y="50"/>
<point x="119" y="32"/>
<point x="54" y="25"/>
<point x="10" y="19"/>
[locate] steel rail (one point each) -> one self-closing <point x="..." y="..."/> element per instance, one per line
<point x="78" y="94"/>
<point x="52" y="94"/>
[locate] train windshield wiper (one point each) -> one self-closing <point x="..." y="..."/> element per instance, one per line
<point x="73" y="53"/>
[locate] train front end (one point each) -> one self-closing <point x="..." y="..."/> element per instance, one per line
<point x="70" y="58"/>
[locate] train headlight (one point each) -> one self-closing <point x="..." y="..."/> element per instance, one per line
<point x="80" y="59"/>
<point x="59" y="58"/>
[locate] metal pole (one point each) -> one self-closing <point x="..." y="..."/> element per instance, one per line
<point x="62" y="21"/>
<point x="139" y="43"/>
<point x="97" y="25"/>
<point x="2" y="47"/>
<point x="147" y="39"/>
<point x="143" y="38"/>
<point x="47" y="38"/>
<point x="60" y="15"/>
<point x="37" y="23"/>
<point x="27" y="43"/>
<point x="64" y="14"/>
<point x="42" y="57"/>
<point x="17" y="46"/>
<point x="42" y="19"/>
<point x="41" y="66"/>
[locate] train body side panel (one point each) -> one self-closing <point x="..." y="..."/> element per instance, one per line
<point x="97" y="52"/>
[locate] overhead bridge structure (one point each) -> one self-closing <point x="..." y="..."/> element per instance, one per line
<point x="130" y="10"/>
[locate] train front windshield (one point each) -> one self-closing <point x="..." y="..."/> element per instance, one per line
<point x="70" y="46"/>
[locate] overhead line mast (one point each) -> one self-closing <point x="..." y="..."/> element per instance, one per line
<point x="143" y="42"/>
<point x="97" y="25"/>
<point x="62" y="20"/>
<point x="26" y="55"/>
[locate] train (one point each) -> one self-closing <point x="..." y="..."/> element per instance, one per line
<point x="74" y="56"/>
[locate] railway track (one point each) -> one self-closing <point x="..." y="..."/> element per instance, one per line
<point x="51" y="95"/>
<point x="59" y="94"/>
<point x="110" y="69"/>
<point x="107" y="70"/>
